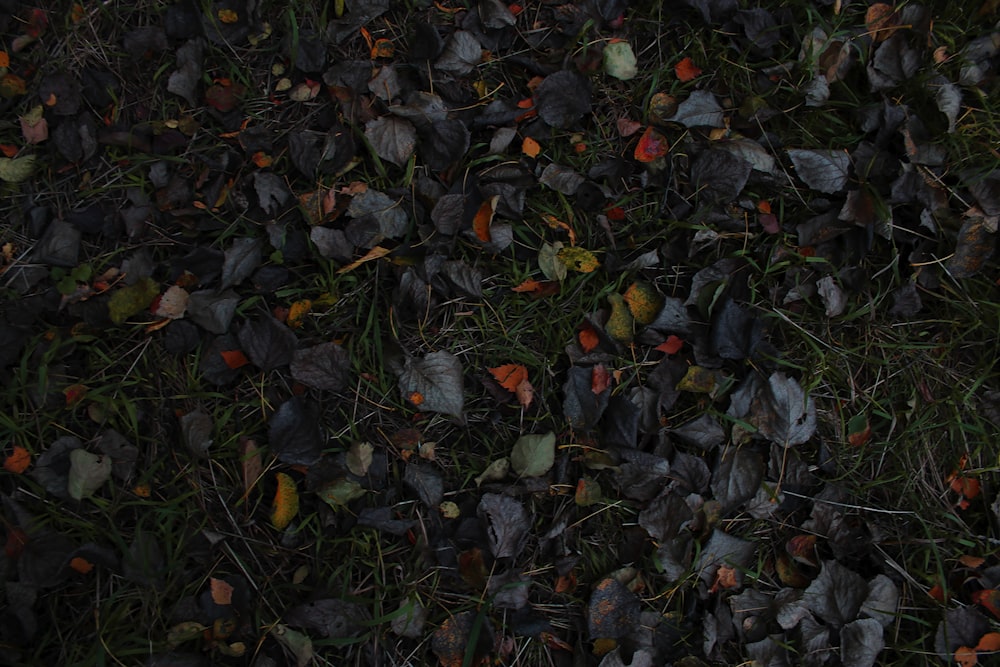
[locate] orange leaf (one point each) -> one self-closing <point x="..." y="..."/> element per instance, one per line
<point x="509" y="376"/>
<point x="375" y="253"/>
<point x="228" y="16"/>
<point x="81" y="565"/>
<point x="555" y="223"/>
<point x="4" y="59"/>
<point x="286" y="502"/>
<point x="725" y="578"/>
<point x="881" y="20"/>
<point x="672" y="345"/>
<point x="416" y="398"/>
<point x="222" y="592"/>
<point x="17" y="461"/>
<point x="686" y="70"/>
<point x="530" y="147"/>
<point x="989" y="599"/>
<point x="525" y="393"/>
<point x="484" y="217"/>
<point x="989" y="642"/>
<point x="234" y="358"/>
<point x="588" y="337"/>
<point x="297" y="311"/>
<point x="383" y="48"/>
<point x="566" y="583"/>
<point x="973" y="562"/>
<point x="262" y="159"/>
<point x="652" y="145"/>
<point x="937" y="593"/>
<point x="966" y="657"/>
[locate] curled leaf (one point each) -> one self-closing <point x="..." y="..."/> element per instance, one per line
<point x="286" y="502"/>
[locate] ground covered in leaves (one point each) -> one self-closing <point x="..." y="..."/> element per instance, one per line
<point x="601" y="333"/>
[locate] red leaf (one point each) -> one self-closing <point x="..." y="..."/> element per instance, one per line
<point x="234" y="358"/>
<point x="222" y="592"/>
<point x="652" y="145"/>
<point x="81" y="565"/>
<point x="672" y="345"/>
<point x="600" y="379"/>
<point x="686" y="70"/>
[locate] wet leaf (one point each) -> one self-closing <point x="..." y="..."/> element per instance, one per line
<point x="393" y="139"/>
<point x="268" y="343"/>
<point x="582" y="406"/>
<point x="822" y="170"/>
<point x="242" y="259"/>
<point x="620" y="61"/>
<point x="563" y="97"/>
<point x="860" y="642"/>
<point x="434" y="383"/>
<point x="652" y="146"/>
<point x="533" y="455"/>
<point x="738" y="478"/>
<point x="294" y="434"/>
<point x="461" y="54"/>
<point x="426" y="482"/>
<point x="613" y="611"/>
<point x="87" y="473"/>
<point x="561" y="179"/>
<point x="132" y="299"/>
<point x="704" y="432"/>
<point x="212" y="310"/>
<point x="506" y="522"/>
<point x="285" y="505"/>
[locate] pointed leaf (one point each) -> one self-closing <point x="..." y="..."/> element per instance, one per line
<point x="822" y="170"/>
<point x="394" y="139"/>
<point x="294" y="434"/>
<point x="87" y="473"/>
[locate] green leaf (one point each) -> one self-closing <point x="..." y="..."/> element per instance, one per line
<point x="298" y="643"/>
<point x="533" y="455"/>
<point x="87" y="472"/>
<point x="619" y="61"/>
<point x="15" y="170"/>
<point x="549" y="262"/>
<point x="132" y="299"/>
<point x="339" y="492"/>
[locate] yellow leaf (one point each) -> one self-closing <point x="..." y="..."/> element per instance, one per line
<point x="578" y="259"/>
<point x="228" y="16"/>
<point x="286" y="502"/>
<point x="620" y="324"/>
<point x="644" y="302"/>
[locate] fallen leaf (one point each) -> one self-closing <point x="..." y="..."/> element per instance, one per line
<point x="509" y="375"/>
<point x="672" y="345"/>
<point x="588" y="337"/>
<point x="578" y="259"/>
<point x="437" y="380"/>
<point x="989" y="642"/>
<point x="686" y="70"/>
<point x="394" y="139"/>
<point x="533" y="455"/>
<point x="621" y="323"/>
<point x="251" y="464"/>
<point x="620" y="61"/>
<point x="530" y="147"/>
<point x="17" y="169"/>
<point x="17" y="461"/>
<point x="483" y="218"/>
<point x="881" y="20"/>
<point x="221" y="591"/>
<point x="966" y="657"/>
<point x="286" y="501"/>
<point x="644" y="302"/>
<point x="652" y="146"/>
<point x="87" y="473"/>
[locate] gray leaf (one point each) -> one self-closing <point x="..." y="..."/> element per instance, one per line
<point x="822" y="170"/>
<point x="393" y="139"/>
<point x="719" y="175"/>
<point x="388" y="214"/>
<point x="184" y="81"/>
<point x="860" y="642"/>
<point x="722" y="549"/>
<point x="563" y="97"/>
<point x="272" y="193"/>
<point x="783" y="413"/>
<point x="699" y="110"/>
<point x="434" y="383"/>
<point x="426" y="482"/>
<point x="737" y="478"/>
<point x="613" y="612"/>
<point x="211" y="310"/>
<point x="506" y="523"/>
<point x="267" y="342"/>
<point x="242" y="259"/>
<point x="883" y="600"/>
<point x="461" y="55"/>
<point x="665" y="517"/>
<point x="294" y="434"/>
<point x="324" y="366"/>
<point x="704" y="432"/>
<point x="832" y="296"/>
<point x="561" y="179"/>
<point x="836" y="594"/>
<point x="330" y="617"/>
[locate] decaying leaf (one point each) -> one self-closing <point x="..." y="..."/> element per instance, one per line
<point x="87" y="473"/>
<point x="620" y="61"/>
<point x="285" y="505"/>
<point x="506" y="523"/>
<point x="434" y="383"/>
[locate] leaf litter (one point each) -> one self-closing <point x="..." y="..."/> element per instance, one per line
<point x="411" y="196"/>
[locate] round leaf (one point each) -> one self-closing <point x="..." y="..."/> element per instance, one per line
<point x="533" y="455"/>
